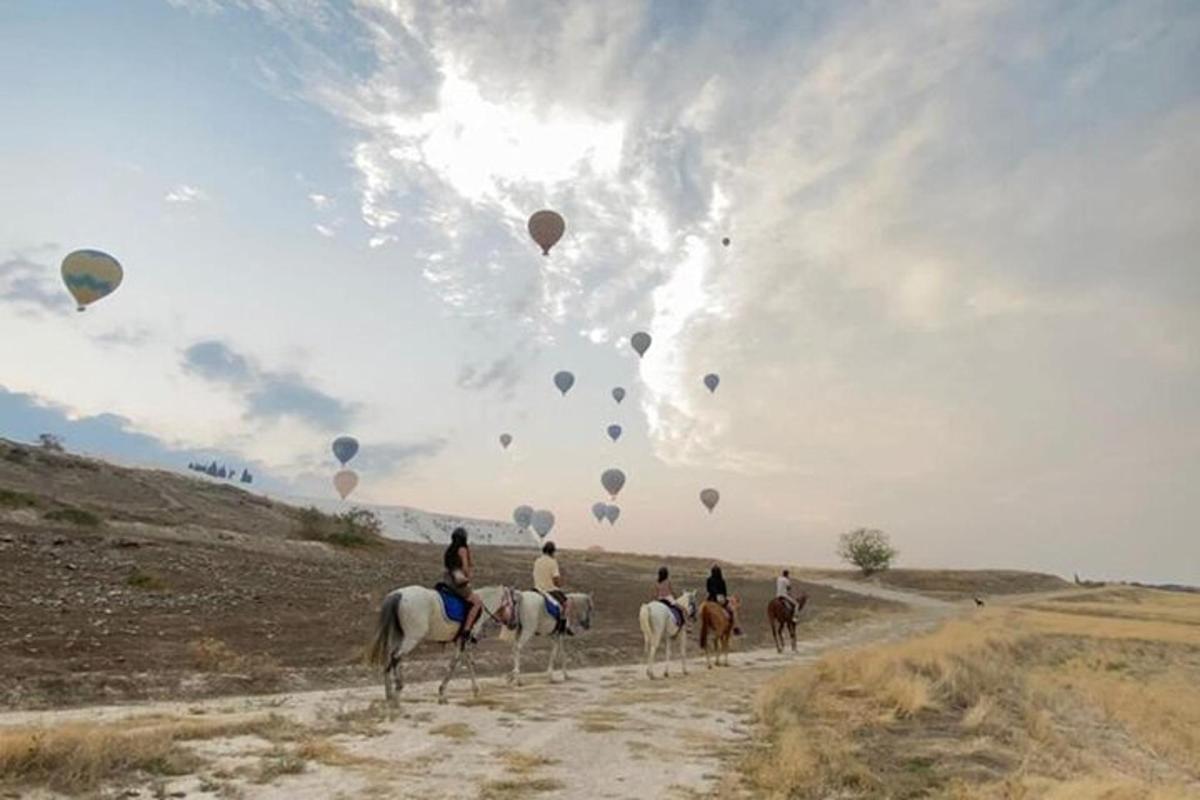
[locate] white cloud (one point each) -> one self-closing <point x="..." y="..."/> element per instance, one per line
<point x="320" y="201"/>
<point x="324" y="230"/>
<point x="183" y="194"/>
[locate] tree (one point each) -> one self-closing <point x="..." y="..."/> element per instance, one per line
<point x="51" y="442"/>
<point x="868" y="549"/>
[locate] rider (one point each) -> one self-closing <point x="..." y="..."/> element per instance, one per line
<point x="664" y="593"/>
<point x="548" y="580"/>
<point x="719" y="594"/>
<point x="459" y="566"/>
<point x="783" y="590"/>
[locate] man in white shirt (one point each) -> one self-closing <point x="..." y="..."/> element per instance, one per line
<point x="783" y="590"/>
<point x="547" y="579"/>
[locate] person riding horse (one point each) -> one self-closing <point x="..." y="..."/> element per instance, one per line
<point x="547" y="579"/>
<point x="783" y="590"/>
<point x="665" y="594"/>
<point x="719" y="594"/>
<point x="459" y="566"/>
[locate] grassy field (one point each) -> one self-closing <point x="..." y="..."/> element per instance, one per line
<point x="1092" y="696"/>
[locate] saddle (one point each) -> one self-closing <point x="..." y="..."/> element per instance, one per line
<point x="453" y="606"/>
<point x="676" y="612"/>
<point x="552" y="606"/>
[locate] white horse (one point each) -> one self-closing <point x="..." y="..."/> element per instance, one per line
<point x="534" y="620"/>
<point x="415" y="614"/>
<point x="658" y="624"/>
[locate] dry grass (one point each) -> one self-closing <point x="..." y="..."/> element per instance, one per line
<point x="80" y="756"/>
<point x="458" y="731"/>
<point x="1017" y="703"/>
<point x="518" y="788"/>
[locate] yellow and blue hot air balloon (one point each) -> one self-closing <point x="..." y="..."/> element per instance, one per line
<point x="90" y="275"/>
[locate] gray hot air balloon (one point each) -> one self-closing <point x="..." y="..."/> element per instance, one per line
<point x="710" y="498"/>
<point x="546" y="228"/>
<point x="641" y="342"/>
<point x="598" y="511"/>
<point x="564" y="381"/>
<point x="614" y="432"/>
<point x="618" y="394"/>
<point x="725" y="241"/>
<point x="612" y="480"/>
<point x="543" y="522"/>
<point x="523" y="516"/>
<point x="712" y="380"/>
<point x="612" y="513"/>
<point x="345" y="448"/>
<point x="505" y="440"/>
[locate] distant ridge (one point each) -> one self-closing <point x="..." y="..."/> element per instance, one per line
<point x="414" y="525"/>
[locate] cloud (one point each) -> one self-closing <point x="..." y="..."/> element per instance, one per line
<point x="23" y="417"/>
<point x="184" y="194"/>
<point x="320" y="201"/>
<point x="502" y="374"/>
<point x="32" y="285"/>
<point x="392" y="458"/>
<point x="268" y="394"/>
<point x="324" y="230"/>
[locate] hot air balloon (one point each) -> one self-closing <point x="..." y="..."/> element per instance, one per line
<point x="598" y="511"/>
<point x="90" y="275"/>
<point x="712" y="380"/>
<point x="522" y="516"/>
<point x="505" y="440"/>
<point x="546" y="228"/>
<point x="725" y="241"/>
<point x="641" y="342"/>
<point x="344" y="482"/>
<point x="612" y="513"/>
<point x="618" y="394"/>
<point x="612" y="480"/>
<point x="543" y="522"/>
<point x="564" y="381"/>
<point x="614" y="432"/>
<point x="345" y="448"/>
<point x="710" y="498"/>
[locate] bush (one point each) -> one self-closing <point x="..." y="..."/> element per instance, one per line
<point x="140" y="579"/>
<point x="11" y="499"/>
<point x="51" y="442"/>
<point x="75" y="516"/>
<point x="355" y="528"/>
<point x="868" y="549"/>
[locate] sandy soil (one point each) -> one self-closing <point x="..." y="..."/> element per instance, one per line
<point x="609" y="732"/>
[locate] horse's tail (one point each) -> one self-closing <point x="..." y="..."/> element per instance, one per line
<point x="644" y="621"/>
<point x="704" y="626"/>
<point x="388" y="632"/>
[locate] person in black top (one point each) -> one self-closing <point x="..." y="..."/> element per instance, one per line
<point x="459" y="566"/>
<point x="718" y="593"/>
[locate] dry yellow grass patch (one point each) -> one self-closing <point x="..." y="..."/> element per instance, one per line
<point x="79" y="756"/>
<point x="324" y="751"/>
<point x="1015" y="703"/>
<point x="453" y="730"/>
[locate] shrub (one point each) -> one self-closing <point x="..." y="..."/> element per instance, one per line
<point x="868" y="549"/>
<point x="355" y="528"/>
<point x="150" y="581"/>
<point x="11" y="499"/>
<point x="51" y="442"/>
<point x="75" y="516"/>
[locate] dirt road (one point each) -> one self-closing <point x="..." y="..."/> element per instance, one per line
<point x="607" y="733"/>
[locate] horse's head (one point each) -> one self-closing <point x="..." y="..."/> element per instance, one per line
<point x="582" y="607"/>
<point x="688" y="601"/>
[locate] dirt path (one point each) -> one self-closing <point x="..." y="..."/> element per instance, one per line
<point x="607" y="733"/>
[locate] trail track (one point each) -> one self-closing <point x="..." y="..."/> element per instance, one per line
<point x="609" y="732"/>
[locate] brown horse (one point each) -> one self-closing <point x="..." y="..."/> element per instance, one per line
<point x="778" y="616"/>
<point x="715" y="620"/>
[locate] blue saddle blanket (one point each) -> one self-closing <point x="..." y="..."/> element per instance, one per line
<point x="454" y="606"/>
<point x="552" y="608"/>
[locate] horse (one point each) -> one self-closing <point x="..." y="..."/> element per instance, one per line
<point x="534" y="620"/>
<point x="414" y="614"/>
<point x="714" y="617"/>
<point x="778" y="616"/>
<point x="658" y="622"/>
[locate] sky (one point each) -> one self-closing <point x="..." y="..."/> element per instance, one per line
<point x="959" y="302"/>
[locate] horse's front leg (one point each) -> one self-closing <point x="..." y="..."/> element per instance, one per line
<point x="564" y="654"/>
<point x="514" y="677"/>
<point x="667" y="657"/>
<point x="470" y="659"/>
<point x="555" y="643"/>
<point x="651" y="649"/>
<point x="792" y="633"/>
<point x="683" y="651"/>
<point x="458" y="654"/>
